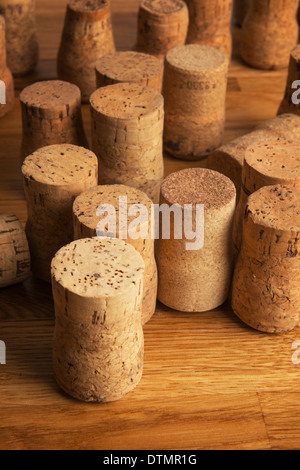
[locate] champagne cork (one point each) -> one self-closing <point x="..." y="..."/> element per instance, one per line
<point x="127" y="136"/>
<point x="195" y="84"/>
<point x="98" y="344"/>
<point x="162" y="25"/>
<point x="121" y="198"/>
<point x="269" y="32"/>
<point x="290" y="102"/>
<point x="51" y="114"/>
<point x="21" y="36"/>
<point x="53" y="176"/>
<point x="266" y="164"/>
<point x="87" y="35"/>
<point x="240" y="10"/>
<point x="14" y="251"/>
<point x="265" y="290"/>
<point x="130" y="67"/>
<point x="197" y="279"/>
<point x="210" y="24"/>
<point x="7" y="91"/>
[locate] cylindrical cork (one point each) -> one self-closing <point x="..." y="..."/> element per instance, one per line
<point x="162" y="25"/>
<point x="130" y="67"/>
<point x="291" y="102"/>
<point x="210" y="24"/>
<point x="127" y="136"/>
<point x="98" y="345"/>
<point x="269" y="33"/>
<point x="14" y="251"/>
<point x="265" y="291"/>
<point x="195" y="84"/>
<point x="51" y="114"/>
<point x="53" y="177"/>
<point x="196" y="277"/>
<point x="21" y="36"/>
<point x="7" y="92"/>
<point x="266" y="164"/>
<point x="240" y="10"/>
<point x="128" y="207"/>
<point x="87" y="35"/>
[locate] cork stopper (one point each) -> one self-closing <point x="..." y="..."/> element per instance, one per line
<point x="7" y="92"/>
<point x="287" y="105"/>
<point x="2" y="45"/>
<point x="90" y="11"/>
<point x="196" y="59"/>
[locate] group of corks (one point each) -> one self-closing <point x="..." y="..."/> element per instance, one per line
<point x="238" y="218"/>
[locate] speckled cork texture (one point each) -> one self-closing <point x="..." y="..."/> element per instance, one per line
<point x="265" y="292"/>
<point x="87" y="35"/>
<point x="21" y="35"/>
<point x="210" y="24"/>
<point x="197" y="280"/>
<point x="127" y="136"/>
<point x="53" y="176"/>
<point x="129" y="67"/>
<point x="5" y="75"/>
<point x="162" y="25"/>
<point x="194" y="89"/>
<point x="269" y="33"/>
<point x="287" y="105"/>
<point x="51" y="114"/>
<point x="14" y="251"/>
<point x="98" y="344"/>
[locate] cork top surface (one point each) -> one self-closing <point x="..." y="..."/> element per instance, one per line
<point x="50" y="94"/>
<point x="98" y="267"/>
<point x="163" y="7"/>
<point x="195" y="58"/>
<point x="126" y="100"/>
<point x="61" y="165"/>
<point x="87" y="5"/>
<point x="198" y="186"/>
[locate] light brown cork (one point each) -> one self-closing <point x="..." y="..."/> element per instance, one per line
<point x="195" y="84"/>
<point x="98" y="344"/>
<point x="87" y="35"/>
<point x="53" y="176"/>
<point x="287" y="105"/>
<point x="265" y="291"/>
<point x="14" y="251"/>
<point x="197" y="280"/>
<point x="7" y="92"/>
<point x="21" y="35"/>
<point x="269" y="33"/>
<point x="162" y="25"/>
<point x="240" y="10"/>
<point x="130" y="67"/>
<point x="210" y="24"/>
<point x="127" y="136"/>
<point x="51" y="114"/>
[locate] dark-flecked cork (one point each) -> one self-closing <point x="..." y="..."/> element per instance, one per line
<point x="7" y="92"/>
<point x="265" y="292"/>
<point x="194" y="279"/>
<point x="98" y="344"/>
<point x="290" y="104"/>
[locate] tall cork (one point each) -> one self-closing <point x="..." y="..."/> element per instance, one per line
<point x="51" y="114"/>
<point x="196" y="279"/>
<point x="14" y="251"/>
<point x="195" y="84"/>
<point x="269" y="32"/>
<point x="210" y="24"/>
<point x="162" y="25"/>
<point x="98" y="344"/>
<point x="240" y="10"/>
<point x="291" y="102"/>
<point x="87" y="35"/>
<point x="265" y="291"/>
<point x="53" y="177"/>
<point x="21" y="35"/>
<point x="124" y="200"/>
<point x="130" y="67"/>
<point x="127" y="136"/>
<point x="266" y="164"/>
<point x="7" y="91"/>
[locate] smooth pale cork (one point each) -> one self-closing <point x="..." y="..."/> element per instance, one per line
<point x="98" y="344"/>
<point x="86" y="224"/>
<point x="288" y="105"/>
<point x="51" y="114"/>
<point x="266" y="164"/>
<point x="162" y="25"/>
<point x="7" y="91"/>
<point x="130" y="67"/>
<point x="240" y="10"/>
<point x="197" y="280"/>
<point x="210" y="24"/>
<point x="127" y="136"/>
<point x="14" y="251"/>
<point x="53" y="177"/>
<point x="265" y="291"/>
<point x="195" y="84"/>
<point x="87" y="35"/>
<point x="269" y="33"/>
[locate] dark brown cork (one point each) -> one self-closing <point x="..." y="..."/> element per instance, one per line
<point x="240" y="10"/>
<point x="287" y="105"/>
<point x="8" y="94"/>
